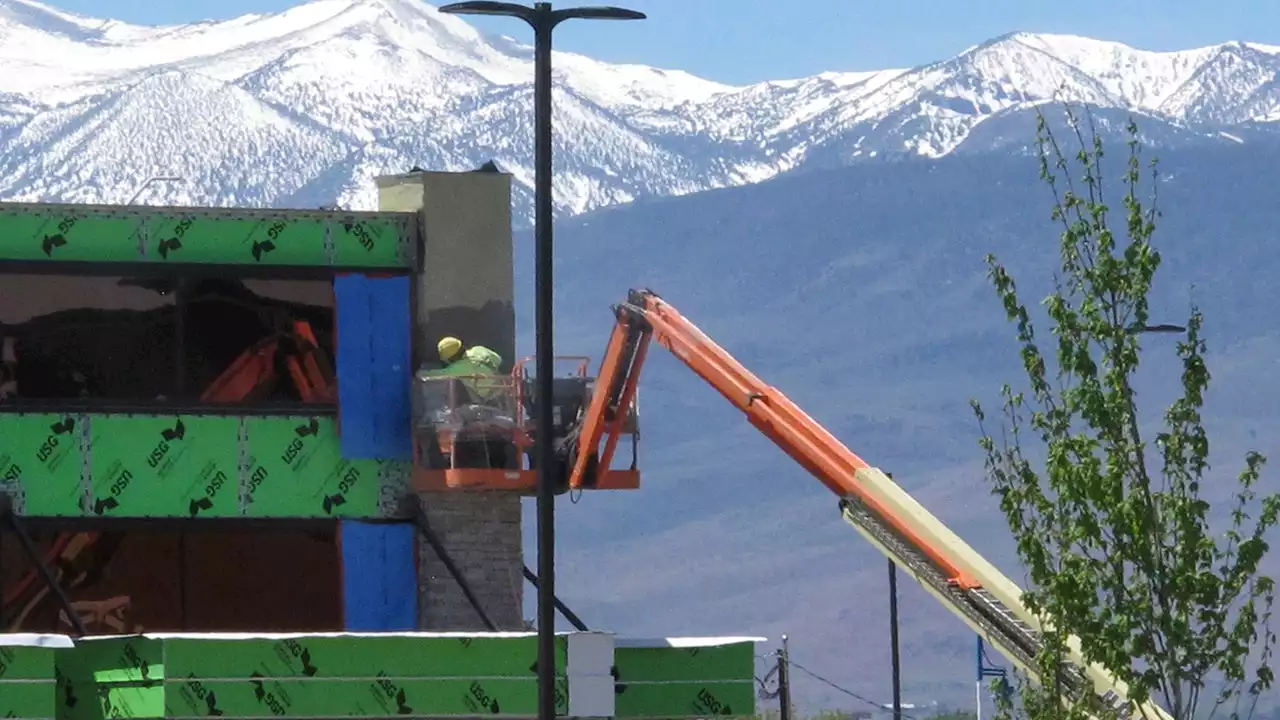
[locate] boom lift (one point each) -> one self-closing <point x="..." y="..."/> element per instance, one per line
<point x="964" y="582"/>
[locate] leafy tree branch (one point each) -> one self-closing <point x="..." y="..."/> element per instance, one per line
<point x="1112" y="525"/>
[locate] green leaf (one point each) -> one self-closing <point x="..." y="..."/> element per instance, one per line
<point x="1110" y="526"/>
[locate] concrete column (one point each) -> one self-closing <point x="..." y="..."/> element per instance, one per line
<point x="466" y="289"/>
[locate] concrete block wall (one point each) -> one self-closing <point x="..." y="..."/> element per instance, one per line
<point x="466" y="289"/>
<point x="481" y="530"/>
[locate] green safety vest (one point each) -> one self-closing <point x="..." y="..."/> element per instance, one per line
<point x="478" y="360"/>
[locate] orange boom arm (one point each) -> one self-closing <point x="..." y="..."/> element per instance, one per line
<point x="644" y="317"/>
<point x="963" y="581"/>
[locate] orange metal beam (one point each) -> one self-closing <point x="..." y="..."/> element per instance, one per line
<point x="607" y="409"/>
<point x="767" y="408"/>
<point x="498" y="479"/>
<point x="622" y="409"/>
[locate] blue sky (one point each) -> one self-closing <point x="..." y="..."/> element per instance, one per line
<point x="740" y="41"/>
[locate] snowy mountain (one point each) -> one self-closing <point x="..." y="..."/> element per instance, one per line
<point x="303" y="107"/>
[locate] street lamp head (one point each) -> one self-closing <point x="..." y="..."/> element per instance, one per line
<point x="540" y="11"/>
<point x="485" y="7"/>
<point x="601" y="13"/>
<point x="1163" y="328"/>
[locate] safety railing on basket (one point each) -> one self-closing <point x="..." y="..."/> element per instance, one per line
<point x="476" y="402"/>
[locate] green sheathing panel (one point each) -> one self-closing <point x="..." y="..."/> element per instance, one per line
<point x="111" y="677"/>
<point x="28" y="684"/>
<point x="303" y="676"/>
<point x="102" y="233"/>
<point x="196" y="466"/>
<point x="685" y="678"/>
<point x="42" y="461"/>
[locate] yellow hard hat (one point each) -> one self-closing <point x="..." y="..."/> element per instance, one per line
<point x="448" y="347"/>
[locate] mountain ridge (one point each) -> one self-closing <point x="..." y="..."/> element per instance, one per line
<point x="366" y="87"/>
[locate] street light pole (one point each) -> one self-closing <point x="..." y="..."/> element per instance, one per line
<point x="543" y="20"/>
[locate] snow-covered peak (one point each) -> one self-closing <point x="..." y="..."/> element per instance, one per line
<point x="638" y="85"/>
<point x="38" y="17"/>
<point x="1144" y="78"/>
<point x="304" y="105"/>
<point x="60" y="58"/>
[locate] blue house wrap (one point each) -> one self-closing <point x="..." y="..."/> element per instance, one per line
<point x="374" y="358"/>
<point x="379" y="576"/>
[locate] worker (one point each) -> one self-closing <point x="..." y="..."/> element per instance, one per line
<point x="473" y="364"/>
<point x="474" y="367"/>
<point x="475" y="360"/>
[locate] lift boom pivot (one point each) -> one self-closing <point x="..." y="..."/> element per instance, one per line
<point x="874" y="504"/>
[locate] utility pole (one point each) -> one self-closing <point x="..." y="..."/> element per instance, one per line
<point x="893" y="636"/>
<point x="784" y="682"/>
<point x="893" y="640"/>
<point x="986" y="671"/>
<point x="978" y="684"/>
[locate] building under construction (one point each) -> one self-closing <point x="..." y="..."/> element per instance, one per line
<point x="226" y="492"/>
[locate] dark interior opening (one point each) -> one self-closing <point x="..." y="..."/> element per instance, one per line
<point x="191" y="580"/>
<point x="123" y="342"/>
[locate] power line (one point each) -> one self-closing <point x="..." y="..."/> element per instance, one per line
<point x="764" y="693"/>
<point x="844" y="690"/>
